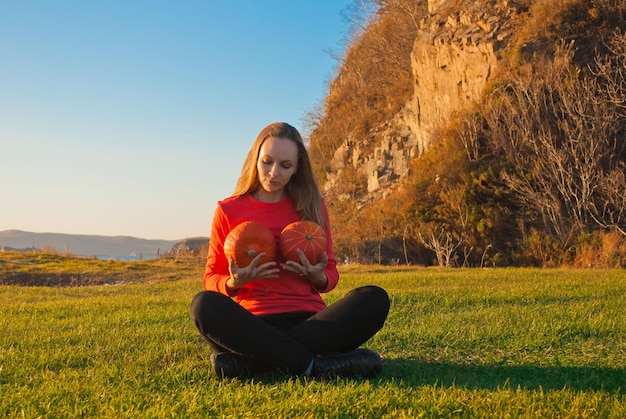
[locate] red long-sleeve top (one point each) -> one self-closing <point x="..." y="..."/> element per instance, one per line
<point x="289" y="292"/>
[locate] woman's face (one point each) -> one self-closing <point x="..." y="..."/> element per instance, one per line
<point x="278" y="161"/>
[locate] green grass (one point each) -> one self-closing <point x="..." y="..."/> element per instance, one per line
<point x="458" y="343"/>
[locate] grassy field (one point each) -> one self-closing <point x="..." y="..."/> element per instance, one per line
<point x="458" y="343"/>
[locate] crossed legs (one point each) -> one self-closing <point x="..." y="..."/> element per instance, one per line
<point x="290" y="341"/>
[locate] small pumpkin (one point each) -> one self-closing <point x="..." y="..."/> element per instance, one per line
<point x="305" y="235"/>
<point x="247" y="240"/>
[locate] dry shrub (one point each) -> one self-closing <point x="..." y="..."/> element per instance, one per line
<point x="539" y="249"/>
<point x="601" y="250"/>
<point x="48" y="249"/>
<point x="613" y="251"/>
<point x="586" y="255"/>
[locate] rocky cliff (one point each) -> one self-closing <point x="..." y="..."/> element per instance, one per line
<point x="455" y="56"/>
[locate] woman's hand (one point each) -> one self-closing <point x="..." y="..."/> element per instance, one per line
<point x="313" y="273"/>
<point x="239" y="277"/>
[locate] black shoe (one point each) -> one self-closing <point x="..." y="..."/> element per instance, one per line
<point x="363" y="363"/>
<point x="230" y="365"/>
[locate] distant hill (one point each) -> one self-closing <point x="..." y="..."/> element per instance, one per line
<point x="85" y="245"/>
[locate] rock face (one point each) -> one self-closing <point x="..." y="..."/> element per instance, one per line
<point x="454" y="58"/>
<point x="193" y="246"/>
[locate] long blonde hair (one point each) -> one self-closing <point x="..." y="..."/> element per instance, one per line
<point x="302" y="188"/>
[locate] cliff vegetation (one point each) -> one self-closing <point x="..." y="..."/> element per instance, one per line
<point x="477" y="133"/>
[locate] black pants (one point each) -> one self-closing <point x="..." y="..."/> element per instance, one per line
<point x="291" y="340"/>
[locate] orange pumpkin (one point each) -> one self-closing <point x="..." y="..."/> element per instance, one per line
<point x="306" y="236"/>
<point x="247" y="240"/>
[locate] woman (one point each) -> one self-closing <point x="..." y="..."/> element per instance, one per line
<point x="278" y="320"/>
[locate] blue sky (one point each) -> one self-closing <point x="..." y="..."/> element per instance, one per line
<point x="133" y="117"/>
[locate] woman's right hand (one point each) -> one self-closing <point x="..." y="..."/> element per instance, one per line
<point x="239" y="277"/>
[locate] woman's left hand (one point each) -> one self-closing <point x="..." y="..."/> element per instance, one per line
<point x="313" y="273"/>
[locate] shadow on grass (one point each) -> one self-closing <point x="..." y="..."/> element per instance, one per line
<point x="493" y="377"/>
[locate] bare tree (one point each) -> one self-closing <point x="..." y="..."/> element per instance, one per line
<point x="564" y="136"/>
<point x="444" y="245"/>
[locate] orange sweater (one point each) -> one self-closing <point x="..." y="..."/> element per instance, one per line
<point x="286" y="294"/>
